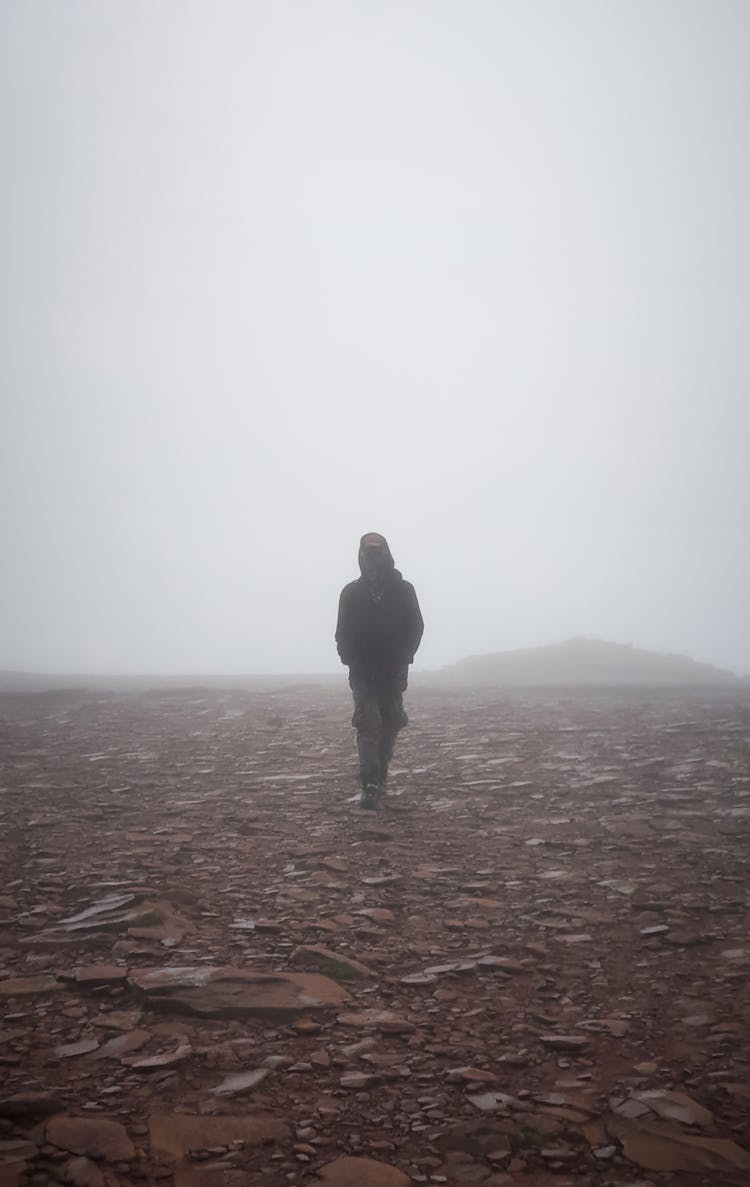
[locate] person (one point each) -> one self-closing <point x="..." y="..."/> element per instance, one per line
<point x="378" y="631"/>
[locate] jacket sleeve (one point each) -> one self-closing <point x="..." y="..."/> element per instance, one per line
<point x="414" y="625"/>
<point x="344" y="628"/>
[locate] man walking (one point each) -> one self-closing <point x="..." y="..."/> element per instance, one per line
<point x="378" y="632"/>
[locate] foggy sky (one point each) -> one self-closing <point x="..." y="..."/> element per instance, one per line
<point x="471" y="274"/>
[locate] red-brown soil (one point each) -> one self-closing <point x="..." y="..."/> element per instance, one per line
<point x="531" y="967"/>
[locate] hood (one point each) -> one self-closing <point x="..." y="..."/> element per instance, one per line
<point x="371" y="537"/>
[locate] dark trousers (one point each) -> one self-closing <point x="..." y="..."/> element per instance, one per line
<point x="378" y="716"/>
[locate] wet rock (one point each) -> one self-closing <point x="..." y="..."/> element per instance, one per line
<point x="236" y="993"/>
<point x="94" y="1137"/>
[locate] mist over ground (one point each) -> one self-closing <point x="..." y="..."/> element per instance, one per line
<point x="474" y="276"/>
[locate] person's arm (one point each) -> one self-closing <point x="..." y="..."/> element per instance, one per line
<point x="344" y="628"/>
<point x="414" y="625"/>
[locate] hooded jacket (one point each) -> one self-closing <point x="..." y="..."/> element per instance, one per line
<point x="378" y="632"/>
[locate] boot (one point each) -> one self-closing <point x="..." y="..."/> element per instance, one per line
<point x="369" y="797"/>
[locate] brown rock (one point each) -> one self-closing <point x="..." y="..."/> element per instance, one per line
<point x="358" y="1080"/>
<point x="152" y="1063"/>
<point x="241" y="1082"/>
<point x="82" y="1047"/>
<point x="211" y="1176"/>
<point x="504" y="964"/>
<point x="498" y="1102"/>
<point x="675" y="1106"/>
<point x="384" y="1020"/>
<point x="564" y="1042"/>
<point x="13" y="1173"/>
<point x="470" y="1075"/>
<point x="117" y="1019"/>
<point x="16" y="1148"/>
<point x="27" y="986"/>
<point x="82" y="1172"/>
<point x="333" y="964"/>
<point x="92" y="975"/>
<point x="123" y="1044"/>
<point x="96" y="1137"/>
<point x="29" y="1106"/>
<point x="658" y="1146"/>
<point x="236" y="993"/>
<point x="364" y="1172"/>
<point x="176" y="1134"/>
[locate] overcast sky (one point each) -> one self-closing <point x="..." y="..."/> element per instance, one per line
<point x="471" y="273"/>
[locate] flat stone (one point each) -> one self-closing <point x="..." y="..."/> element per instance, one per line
<point x="81" y="1047"/>
<point x="117" y="1019"/>
<point x="383" y="1020"/>
<point x="659" y="1146"/>
<point x="241" y="1082"/>
<point x="155" y="919"/>
<point x="333" y="964"/>
<point x="357" y="1080"/>
<point x="123" y="1044"/>
<point x="364" y="1172"/>
<point x="564" y="1042"/>
<point x="470" y="1075"/>
<point x="96" y="1137"/>
<point x="153" y="1063"/>
<point x="175" y="1135"/>
<point x="504" y="964"/>
<point x="28" y="1106"/>
<point x="236" y="993"/>
<point x="28" y="986"/>
<point x="675" y="1106"/>
<point x="498" y="1102"/>
<point x="92" y="975"/>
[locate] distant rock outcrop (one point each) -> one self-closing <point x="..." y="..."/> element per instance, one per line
<point x="581" y="662"/>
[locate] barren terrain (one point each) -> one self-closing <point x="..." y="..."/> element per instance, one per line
<point x="532" y="967"/>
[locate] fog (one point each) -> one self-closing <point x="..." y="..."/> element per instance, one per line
<point x="473" y="275"/>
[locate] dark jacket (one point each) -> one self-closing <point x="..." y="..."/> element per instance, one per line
<point x="378" y="633"/>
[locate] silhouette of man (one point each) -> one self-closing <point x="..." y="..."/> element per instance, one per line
<point x="378" y="632"/>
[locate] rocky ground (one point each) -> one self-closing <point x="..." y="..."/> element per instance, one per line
<point x="530" y="968"/>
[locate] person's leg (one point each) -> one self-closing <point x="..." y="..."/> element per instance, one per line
<point x="394" y="718"/>
<point x="368" y="723"/>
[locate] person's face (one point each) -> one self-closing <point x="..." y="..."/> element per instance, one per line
<point x="374" y="563"/>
